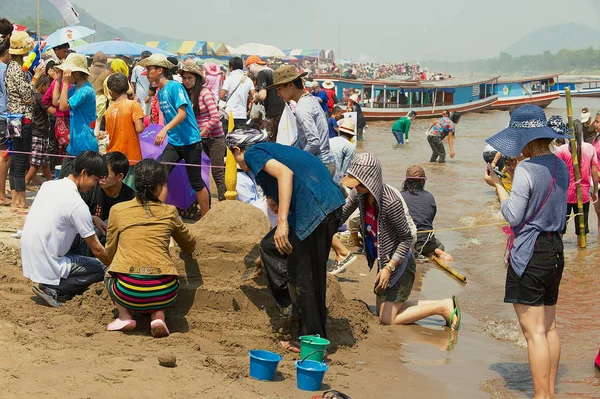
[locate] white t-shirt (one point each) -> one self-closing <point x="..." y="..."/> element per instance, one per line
<point x="56" y="216"/>
<point x="139" y="77"/>
<point x="237" y="102"/>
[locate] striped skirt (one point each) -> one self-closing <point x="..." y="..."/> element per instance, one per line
<point x="143" y="294"/>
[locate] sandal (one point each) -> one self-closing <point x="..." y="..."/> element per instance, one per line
<point x="333" y="394"/>
<point x="159" y="329"/>
<point x="291" y="346"/>
<point x="122" y="325"/>
<point x="48" y="297"/>
<point x="455" y="312"/>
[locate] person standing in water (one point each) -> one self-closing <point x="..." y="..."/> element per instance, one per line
<point x="401" y="127"/>
<point x="535" y="257"/>
<point x="443" y="128"/>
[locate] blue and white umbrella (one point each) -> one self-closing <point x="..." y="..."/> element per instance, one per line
<point x="67" y="35"/>
<point x="117" y="47"/>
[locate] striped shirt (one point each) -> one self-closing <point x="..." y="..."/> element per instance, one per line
<point x="209" y="114"/>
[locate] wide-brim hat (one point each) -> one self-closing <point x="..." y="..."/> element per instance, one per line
<point x="212" y="69"/>
<point x="284" y="75"/>
<point x="75" y="63"/>
<point x="527" y="123"/>
<point x="20" y="43"/>
<point x="328" y="84"/>
<point x="191" y="67"/>
<point x="347" y="127"/>
<point x="585" y="115"/>
<point x="354" y="98"/>
<point x="157" y="60"/>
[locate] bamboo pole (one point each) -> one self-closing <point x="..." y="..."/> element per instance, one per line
<point x="230" y="168"/>
<point x="581" y="239"/>
<point x="447" y="268"/>
<point x="39" y="31"/>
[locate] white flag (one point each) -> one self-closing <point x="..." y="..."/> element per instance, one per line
<point x="67" y="11"/>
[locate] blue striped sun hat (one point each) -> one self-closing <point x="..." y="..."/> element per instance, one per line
<point x="527" y="123"/>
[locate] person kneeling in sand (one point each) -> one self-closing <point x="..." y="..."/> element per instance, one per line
<point x="388" y="241"/>
<point x="142" y="277"/>
<point x="57" y="215"/>
<point x="422" y="208"/>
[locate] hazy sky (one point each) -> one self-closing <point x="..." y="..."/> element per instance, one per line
<point x="380" y="30"/>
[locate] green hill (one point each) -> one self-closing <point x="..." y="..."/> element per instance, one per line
<point x="554" y="38"/>
<point x="24" y="12"/>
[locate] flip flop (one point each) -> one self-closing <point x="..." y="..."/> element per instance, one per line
<point x="159" y="329"/>
<point x="292" y="347"/>
<point x="455" y="312"/>
<point x="122" y="325"/>
<point x="49" y="299"/>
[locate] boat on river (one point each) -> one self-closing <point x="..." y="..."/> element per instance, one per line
<point x="536" y="90"/>
<point x="580" y="87"/>
<point x="384" y="100"/>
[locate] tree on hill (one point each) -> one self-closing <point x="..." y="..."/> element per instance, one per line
<point x="47" y="27"/>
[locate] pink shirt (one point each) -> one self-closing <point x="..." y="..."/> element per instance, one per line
<point x="47" y="101"/>
<point x="589" y="158"/>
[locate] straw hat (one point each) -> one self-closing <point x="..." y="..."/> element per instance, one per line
<point x="20" y="43"/>
<point x="254" y="59"/>
<point x="211" y="69"/>
<point x="354" y="98"/>
<point x="328" y="84"/>
<point x="157" y="60"/>
<point x="75" y="63"/>
<point x="585" y="115"/>
<point x="284" y="75"/>
<point x="347" y="127"/>
<point x="191" y="67"/>
<point x="527" y="123"/>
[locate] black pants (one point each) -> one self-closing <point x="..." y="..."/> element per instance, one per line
<point x="19" y="164"/>
<point x="216" y="150"/>
<point x="572" y="209"/>
<point x="67" y="166"/>
<point x="192" y="155"/>
<point x="437" y="148"/>
<point x="301" y="276"/>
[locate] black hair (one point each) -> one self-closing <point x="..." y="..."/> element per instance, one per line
<point x="118" y="162"/>
<point x="194" y="92"/>
<point x="92" y="162"/>
<point x="50" y="64"/>
<point x="298" y="84"/>
<point x="455" y="117"/>
<point x="61" y="46"/>
<point x="6" y="27"/>
<point x="166" y="72"/>
<point x="152" y="89"/>
<point x="236" y="63"/>
<point x="412" y="113"/>
<point x="413" y="185"/>
<point x="149" y="174"/>
<point x="118" y="83"/>
<point x="43" y="80"/>
<point x="174" y="61"/>
<point x="145" y="54"/>
<point x="4" y="46"/>
<point x="335" y="110"/>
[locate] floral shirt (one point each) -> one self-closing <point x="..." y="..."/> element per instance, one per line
<point x="19" y="91"/>
<point x="442" y="128"/>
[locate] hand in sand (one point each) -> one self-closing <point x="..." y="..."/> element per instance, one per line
<point x="382" y="280"/>
<point x="282" y="242"/>
<point x="160" y="137"/>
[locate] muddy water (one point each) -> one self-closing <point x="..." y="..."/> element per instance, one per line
<point x="489" y="357"/>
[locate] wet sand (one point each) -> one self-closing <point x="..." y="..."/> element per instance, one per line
<point x="63" y="353"/>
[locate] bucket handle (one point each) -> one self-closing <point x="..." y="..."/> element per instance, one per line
<point x="312" y="353"/>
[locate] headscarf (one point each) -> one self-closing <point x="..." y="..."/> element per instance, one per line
<point x="118" y="65"/>
<point x="246" y="137"/>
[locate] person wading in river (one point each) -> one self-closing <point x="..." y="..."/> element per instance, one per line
<point x="535" y="211"/>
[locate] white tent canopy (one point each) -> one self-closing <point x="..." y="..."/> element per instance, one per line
<point x="262" y="50"/>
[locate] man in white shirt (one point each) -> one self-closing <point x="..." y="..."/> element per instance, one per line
<point x="139" y="78"/>
<point x="238" y="87"/>
<point x="58" y="214"/>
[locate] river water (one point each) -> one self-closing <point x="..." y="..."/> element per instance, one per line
<point x="490" y="357"/>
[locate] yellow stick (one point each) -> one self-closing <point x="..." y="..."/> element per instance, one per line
<point x="576" y="169"/>
<point x="447" y="268"/>
<point x="230" y="168"/>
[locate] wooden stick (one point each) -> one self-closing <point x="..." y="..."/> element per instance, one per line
<point x="447" y="268"/>
<point x="581" y="239"/>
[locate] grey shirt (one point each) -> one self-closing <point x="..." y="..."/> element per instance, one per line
<point x="313" y="132"/>
<point x="343" y="152"/>
<point x="530" y="187"/>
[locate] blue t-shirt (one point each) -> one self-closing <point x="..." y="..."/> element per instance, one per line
<point x="82" y="101"/>
<point x="171" y="98"/>
<point x="315" y="195"/>
<point x="3" y="96"/>
<point x="332" y="124"/>
<point x="324" y="100"/>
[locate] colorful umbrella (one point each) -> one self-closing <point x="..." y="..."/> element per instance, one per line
<point x="262" y="50"/>
<point x="67" y="35"/>
<point x="180" y="193"/>
<point x="117" y="47"/>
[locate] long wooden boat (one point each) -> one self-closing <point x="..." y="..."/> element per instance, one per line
<point x="536" y="90"/>
<point x="580" y="87"/>
<point x="384" y="100"/>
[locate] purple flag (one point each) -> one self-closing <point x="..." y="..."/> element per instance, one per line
<point x="181" y="193"/>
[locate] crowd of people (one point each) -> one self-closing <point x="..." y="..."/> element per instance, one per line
<point x="105" y="217"/>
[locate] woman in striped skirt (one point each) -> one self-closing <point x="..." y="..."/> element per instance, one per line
<point x="142" y="277"/>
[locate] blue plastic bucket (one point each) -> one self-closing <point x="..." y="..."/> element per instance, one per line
<point x="263" y="364"/>
<point x="309" y="374"/>
<point x="57" y="171"/>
